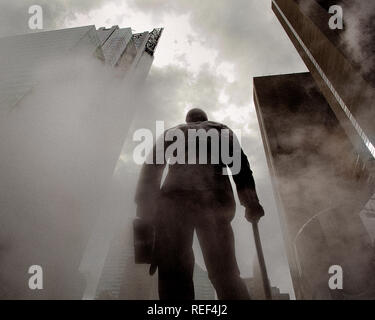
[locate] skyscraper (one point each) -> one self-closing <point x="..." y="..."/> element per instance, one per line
<point x="319" y="190"/>
<point x="67" y="101"/>
<point x="346" y="81"/>
<point x="203" y="287"/>
<point x="318" y="134"/>
<point x="120" y="278"/>
<point x="256" y="290"/>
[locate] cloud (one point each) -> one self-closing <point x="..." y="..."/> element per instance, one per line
<point x="14" y="15"/>
<point x="242" y="32"/>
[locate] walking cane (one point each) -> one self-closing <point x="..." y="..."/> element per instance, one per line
<point x="262" y="264"/>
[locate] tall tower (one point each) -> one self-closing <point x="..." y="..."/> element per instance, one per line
<point x="345" y="81"/>
<point x="108" y="261"/>
<point x="317" y="129"/>
<point x="66" y="104"/>
<point x="203" y="287"/>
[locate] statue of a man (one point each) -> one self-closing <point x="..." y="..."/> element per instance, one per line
<point x="196" y="197"/>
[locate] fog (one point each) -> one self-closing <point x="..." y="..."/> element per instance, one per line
<point x="59" y="147"/>
<point x="359" y="34"/>
<point x="75" y="101"/>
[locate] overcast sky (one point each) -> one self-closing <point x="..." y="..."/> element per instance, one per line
<point x="208" y="54"/>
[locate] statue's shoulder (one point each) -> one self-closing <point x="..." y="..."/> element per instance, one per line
<point x="214" y="125"/>
<point x="199" y="125"/>
<point x="180" y="127"/>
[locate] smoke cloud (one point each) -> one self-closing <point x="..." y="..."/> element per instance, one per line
<point x="359" y="35"/>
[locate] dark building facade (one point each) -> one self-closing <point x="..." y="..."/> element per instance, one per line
<point x="348" y="88"/>
<point x="318" y="134"/>
<point x="319" y="188"/>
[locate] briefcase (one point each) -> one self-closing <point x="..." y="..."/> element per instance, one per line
<point x="144" y="241"/>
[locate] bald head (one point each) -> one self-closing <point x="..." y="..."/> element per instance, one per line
<point x="196" y="115"/>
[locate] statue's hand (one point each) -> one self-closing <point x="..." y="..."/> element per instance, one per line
<point x="254" y="213"/>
